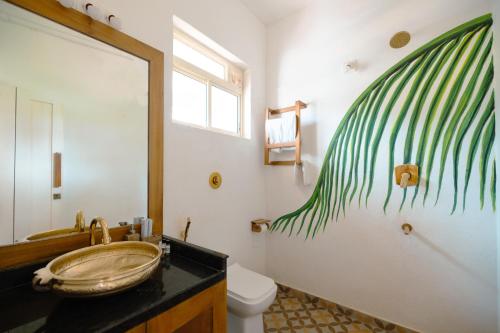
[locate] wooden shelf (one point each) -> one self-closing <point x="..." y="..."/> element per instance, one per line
<point x="280" y="145"/>
<point x="299" y="105"/>
<point x="281" y="163"/>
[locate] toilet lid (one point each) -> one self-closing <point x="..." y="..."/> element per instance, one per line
<point x="246" y="284"/>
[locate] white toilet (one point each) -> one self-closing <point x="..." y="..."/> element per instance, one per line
<point x="248" y="295"/>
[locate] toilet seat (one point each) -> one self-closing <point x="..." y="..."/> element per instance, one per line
<point x="247" y="286"/>
<point x="249" y="294"/>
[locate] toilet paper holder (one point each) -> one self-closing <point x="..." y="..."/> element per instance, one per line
<point x="257" y="224"/>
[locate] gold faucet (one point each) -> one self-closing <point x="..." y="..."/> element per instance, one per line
<point x="80" y="222"/>
<point x="106" y="239"/>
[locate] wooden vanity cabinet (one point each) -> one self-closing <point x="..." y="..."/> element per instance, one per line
<point x="205" y="312"/>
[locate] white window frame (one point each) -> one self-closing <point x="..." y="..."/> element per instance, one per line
<point x="230" y="70"/>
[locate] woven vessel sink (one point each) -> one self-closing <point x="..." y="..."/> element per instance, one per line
<point x="79" y="227"/>
<point x="99" y="270"/>
<point x="53" y="233"/>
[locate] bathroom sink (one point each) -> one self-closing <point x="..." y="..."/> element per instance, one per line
<point x="53" y="233"/>
<point x="99" y="270"/>
<point x="79" y="227"/>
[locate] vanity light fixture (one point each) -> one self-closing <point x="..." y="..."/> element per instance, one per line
<point x="92" y="10"/>
<point x="114" y="21"/>
<point x="67" y="3"/>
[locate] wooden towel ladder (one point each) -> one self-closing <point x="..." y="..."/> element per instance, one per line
<point x="299" y="105"/>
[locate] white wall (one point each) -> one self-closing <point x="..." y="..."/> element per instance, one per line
<point x="7" y="153"/>
<point x="220" y="218"/>
<point x="496" y="56"/>
<point x="105" y="161"/>
<point x="440" y="279"/>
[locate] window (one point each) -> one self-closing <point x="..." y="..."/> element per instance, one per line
<point x="207" y="89"/>
<point x="196" y="58"/>
<point x="190" y="104"/>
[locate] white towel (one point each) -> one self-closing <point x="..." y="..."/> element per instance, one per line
<point x="297" y="174"/>
<point x="274" y="130"/>
<point x="302" y="174"/>
<point x="306" y="173"/>
<point x="282" y="130"/>
<point x="288" y="127"/>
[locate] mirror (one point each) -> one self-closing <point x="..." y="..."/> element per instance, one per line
<point x="73" y="128"/>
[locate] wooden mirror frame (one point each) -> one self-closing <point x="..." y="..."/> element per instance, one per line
<point x="27" y="252"/>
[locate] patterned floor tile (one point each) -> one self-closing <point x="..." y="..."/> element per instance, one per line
<point x="296" y="312"/>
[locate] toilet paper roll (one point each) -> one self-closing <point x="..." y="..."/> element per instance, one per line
<point x="263" y="228"/>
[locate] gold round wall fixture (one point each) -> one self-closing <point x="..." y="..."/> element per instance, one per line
<point x="407" y="228"/>
<point x="400" y="39"/>
<point x="215" y="180"/>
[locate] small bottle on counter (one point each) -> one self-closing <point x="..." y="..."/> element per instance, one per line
<point x="150" y="227"/>
<point x="144" y="228"/>
<point x="132" y="235"/>
<point x="165" y="247"/>
<point x="165" y="252"/>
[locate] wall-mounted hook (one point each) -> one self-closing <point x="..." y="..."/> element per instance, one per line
<point x="351" y="66"/>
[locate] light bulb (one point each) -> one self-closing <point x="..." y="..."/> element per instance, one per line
<point x="66" y="3"/>
<point x="92" y="10"/>
<point x="114" y="21"/>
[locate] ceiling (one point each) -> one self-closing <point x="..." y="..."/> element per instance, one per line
<point x="269" y="11"/>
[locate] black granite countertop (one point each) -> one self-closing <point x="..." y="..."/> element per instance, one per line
<point x="187" y="271"/>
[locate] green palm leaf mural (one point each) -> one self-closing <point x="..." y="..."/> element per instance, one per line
<point x="441" y="99"/>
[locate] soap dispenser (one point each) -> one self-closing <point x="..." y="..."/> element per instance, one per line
<point x="132" y="235"/>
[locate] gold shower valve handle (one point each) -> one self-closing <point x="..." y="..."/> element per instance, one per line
<point x="405" y="178"/>
<point x="406" y="175"/>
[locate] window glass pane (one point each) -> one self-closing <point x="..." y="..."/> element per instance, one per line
<point x="189" y="100"/>
<point x="187" y="53"/>
<point x="224" y="110"/>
